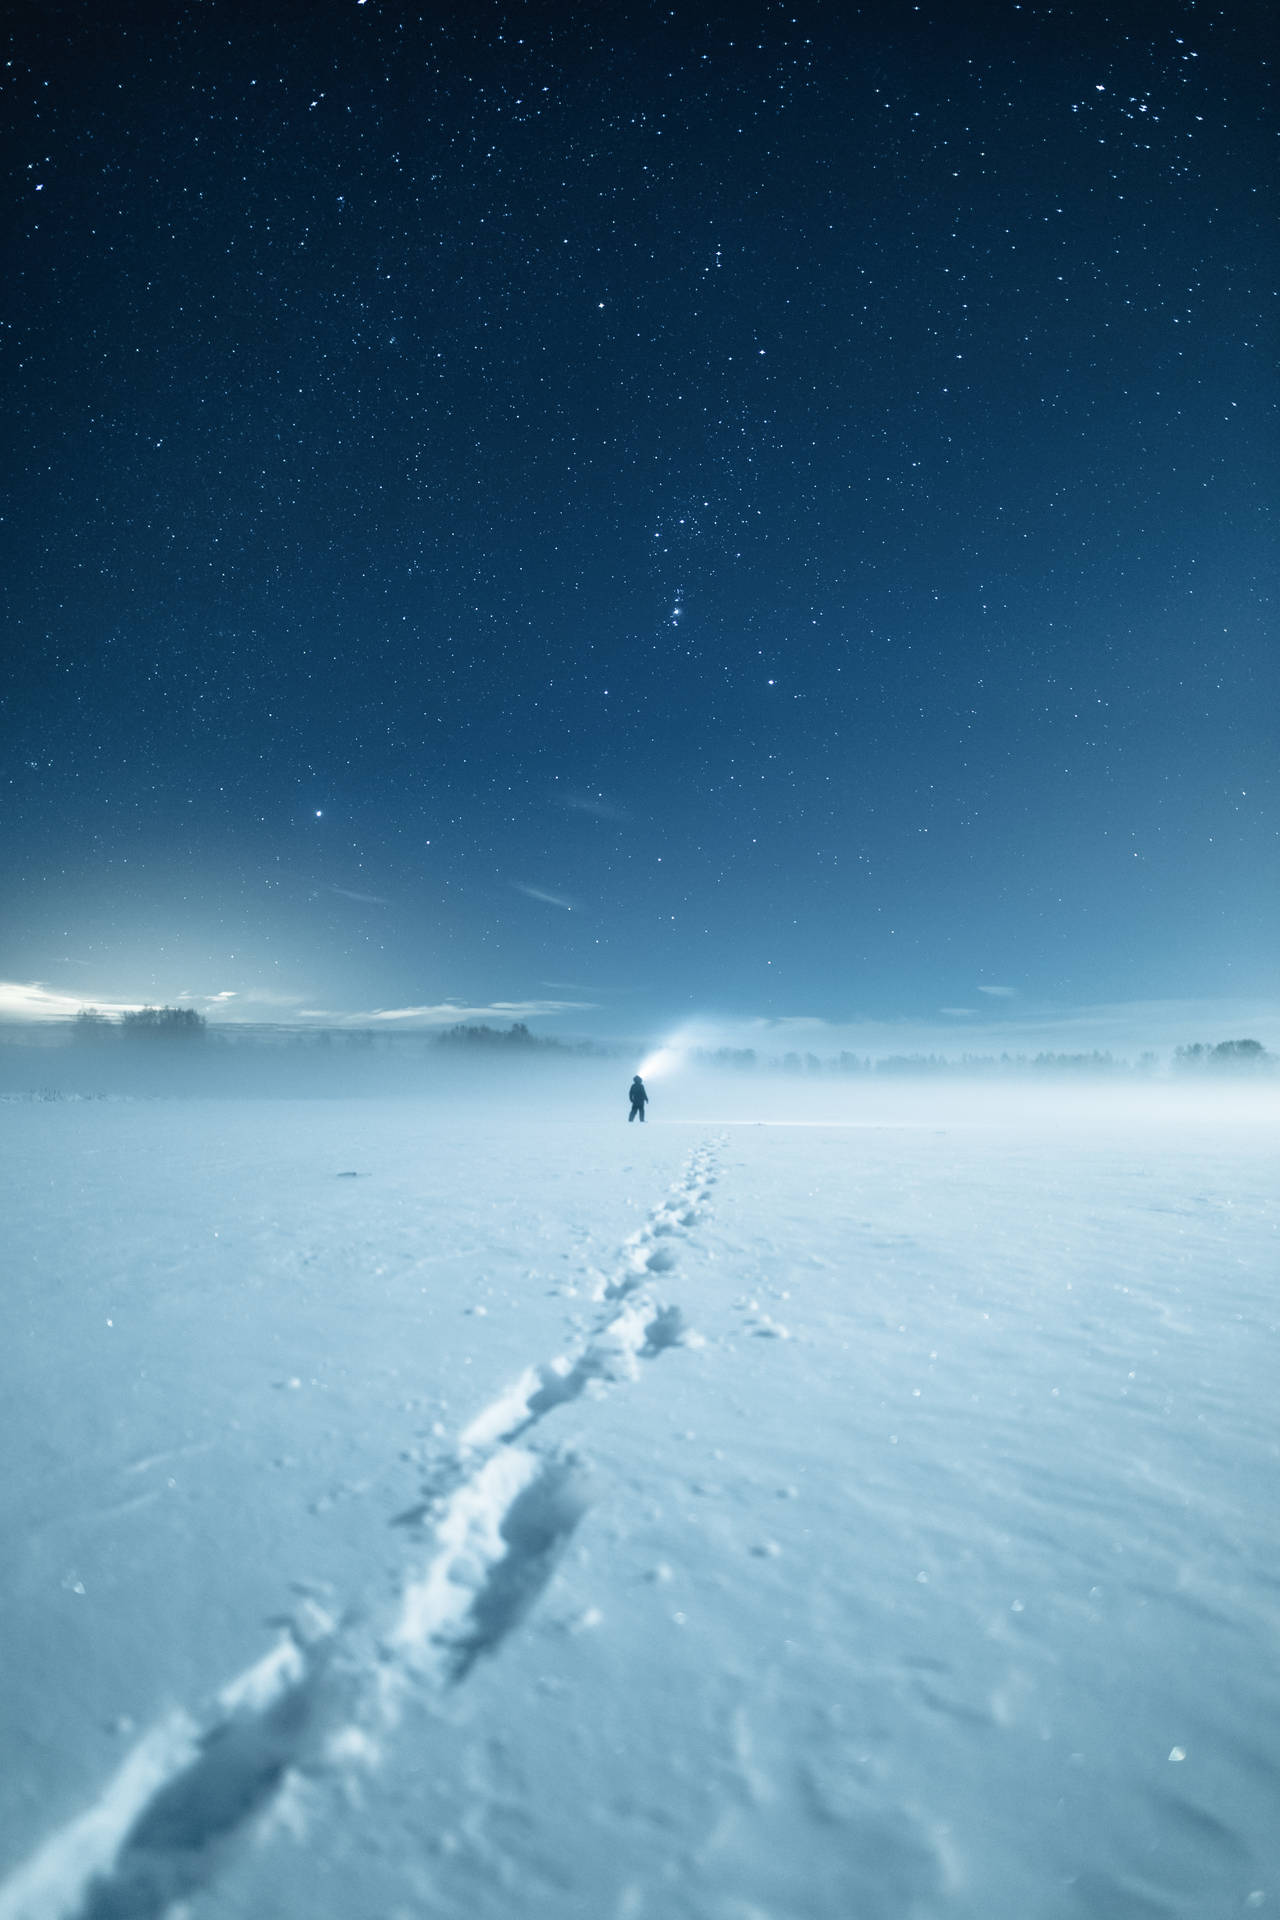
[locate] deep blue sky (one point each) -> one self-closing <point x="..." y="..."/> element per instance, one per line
<point x="762" y="512"/>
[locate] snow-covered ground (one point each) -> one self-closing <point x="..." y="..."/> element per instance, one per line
<point x="481" y="1508"/>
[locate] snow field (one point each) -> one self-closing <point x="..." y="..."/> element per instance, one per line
<point x="228" y="1363"/>
<point x="877" y="1525"/>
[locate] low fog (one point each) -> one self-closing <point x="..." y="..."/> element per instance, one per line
<point x="513" y="1070"/>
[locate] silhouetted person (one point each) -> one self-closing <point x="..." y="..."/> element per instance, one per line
<point x="639" y="1100"/>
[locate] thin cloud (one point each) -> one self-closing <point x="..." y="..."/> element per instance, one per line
<point x="362" y="899"/>
<point x="592" y="803"/>
<point x="256" y="997"/>
<point x="789" y="1023"/>
<point x="959" y="1013"/>
<point x="1000" y="993"/>
<point x="32" y="1000"/>
<point x="448" y="1013"/>
<point x="548" y="899"/>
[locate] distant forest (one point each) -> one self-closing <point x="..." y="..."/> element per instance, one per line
<point x="1228" y="1056"/>
<point x="183" y="1028"/>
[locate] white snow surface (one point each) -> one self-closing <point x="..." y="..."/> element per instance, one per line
<point x="490" y="1511"/>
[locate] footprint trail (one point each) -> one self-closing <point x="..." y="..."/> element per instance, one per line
<point x="324" y="1702"/>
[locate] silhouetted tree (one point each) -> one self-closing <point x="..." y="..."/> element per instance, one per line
<point x="480" y="1036"/>
<point x="91" y="1028"/>
<point x="182" y="1024"/>
<point x="1233" y="1055"/>
<point x="738" y="1059"/>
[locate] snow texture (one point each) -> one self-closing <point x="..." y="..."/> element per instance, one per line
<point x="870" y="1518"/>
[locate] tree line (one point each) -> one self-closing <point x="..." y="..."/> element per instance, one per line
<point x="184" y="1027"/>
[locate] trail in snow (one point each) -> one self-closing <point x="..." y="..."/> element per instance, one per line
<point x="499" y="1516"/>
<point x="953" y="1593"/>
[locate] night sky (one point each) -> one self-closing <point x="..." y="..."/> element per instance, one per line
<point x="613" y="514"/>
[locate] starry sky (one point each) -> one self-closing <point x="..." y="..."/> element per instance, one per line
<point x="625" y="514"/>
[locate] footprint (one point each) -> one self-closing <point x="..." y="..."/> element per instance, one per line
<point x="501" y="1518"/>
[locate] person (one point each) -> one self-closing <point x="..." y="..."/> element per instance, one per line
<point x="639" y="1100"/>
